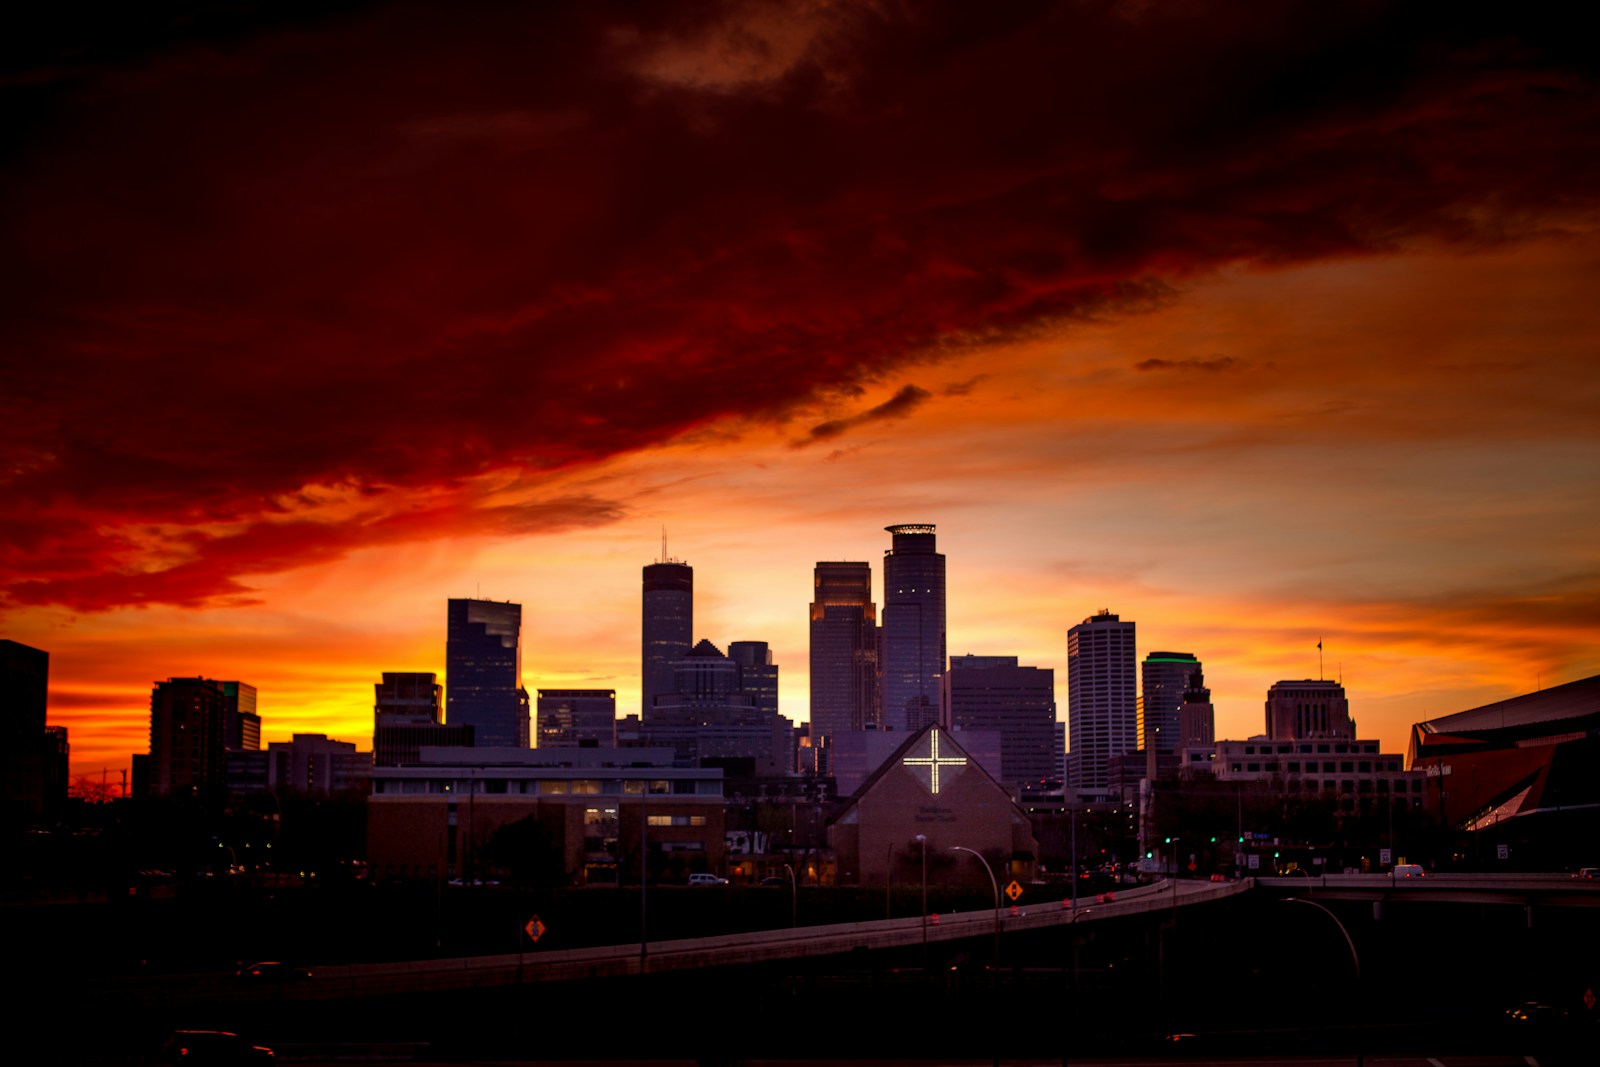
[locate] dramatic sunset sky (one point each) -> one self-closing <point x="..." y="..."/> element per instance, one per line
<point x="1255" y="323"/>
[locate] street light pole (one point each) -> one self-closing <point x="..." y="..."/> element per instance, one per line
<point x="996" y="886"/>
<point x="1355" y="961"/>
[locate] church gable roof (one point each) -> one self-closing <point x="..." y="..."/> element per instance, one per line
<point x="944" y="747"/>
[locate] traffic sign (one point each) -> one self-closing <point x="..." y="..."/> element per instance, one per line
<point x="1013" y="891"/>
<point x="534" y="929"/>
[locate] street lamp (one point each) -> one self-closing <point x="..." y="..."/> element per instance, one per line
<point x="996" y="885"/>
<point x="1354" y="959"/>
<point x="794" y="903"/>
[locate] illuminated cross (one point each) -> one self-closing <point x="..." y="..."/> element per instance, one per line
<point x="933" y="761"/>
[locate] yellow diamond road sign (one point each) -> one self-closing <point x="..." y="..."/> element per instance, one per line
<point x="1013" y="891"/>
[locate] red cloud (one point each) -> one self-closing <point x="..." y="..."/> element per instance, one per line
<point x="397" y="249"/>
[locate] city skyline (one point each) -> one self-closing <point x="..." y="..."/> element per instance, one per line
<point x="1258" y="329"/>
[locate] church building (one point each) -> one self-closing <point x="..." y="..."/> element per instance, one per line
<point x="930" y="787"/>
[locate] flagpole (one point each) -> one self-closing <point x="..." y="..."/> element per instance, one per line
<point x="1321" y="675"/>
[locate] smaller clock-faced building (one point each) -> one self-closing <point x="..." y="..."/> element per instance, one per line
<point x="931" y="787"/>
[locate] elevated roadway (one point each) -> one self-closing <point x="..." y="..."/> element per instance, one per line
<point x="725" y="950"/>
<point x="1549" y="890"/>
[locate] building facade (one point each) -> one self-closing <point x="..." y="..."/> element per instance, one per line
<point x="667" y="627"/>
<point x="483" y="672"/>
<point x="913" y="638"/>
<point x="844" y="652"/>
<point x="569" y="718"/>
<point x="188" y="729"/>
<point x="1163" y="679"/>
<point x="758" y="673"/>
<point x="33" y="756"/>
<point x="607" y="813"/>
<point x="1102" y="700"/>
<point x="314" y="765"/>
<point x="1018" y="703"/>
<point x="1308" y="709"/>
<point x="930" y="788"/>
<point x="708" y="715"/>
<point x="407" y="714"/>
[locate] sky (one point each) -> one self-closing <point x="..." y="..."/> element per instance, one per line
<point x="1258" y="324"/>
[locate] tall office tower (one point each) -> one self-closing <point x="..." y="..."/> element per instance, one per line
<point x="1018" y="703"/>
<point x="668" y="627"/>
<point x="33" y="756"/>
<point x="483" y="672"/>
<point x="406" y="715"/>
<point x="573" y="718"/>
<point x="913" y="629"/>
<point x="241" y="724"/>
<point x="1308" y="709"/>
<point x="758" y="674"/>
<point x="1197" y="720"/>
<point x="188" y="725"/>
<point x="844" y="651"/>
<point x="1102" y="701"/>
<point x="1163" y="677"/>
<point x="24" y="689"/>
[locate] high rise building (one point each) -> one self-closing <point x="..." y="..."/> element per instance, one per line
<point x="1018" y="703"/>
<point x="1308" y="709"/>
<point x="188" y="728"/>
<point x="570" y="718"/>
<point x="407" y="715"/>
<point x="758" y="674"/>
<point x="33" y="756"/>
<point x="844" y="650"/>
<point x="1102" y="700"/>
<point x="668" y="627"/>
<point x="710" y="716"/>
<point x="1197" y="720"/>
<point x="913" y="629"/>
<point x="24" y="689"/>
<point x="483" y="672"/>
<point x="240" y="722"/>
<point x="1163" y="678"/>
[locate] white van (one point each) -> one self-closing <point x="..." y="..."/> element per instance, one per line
<point x="1408" y="870"/>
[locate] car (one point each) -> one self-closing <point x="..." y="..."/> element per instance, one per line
<point x="706" y="879"/>
<point x="213" y="1047"/>
<point x="1588" y="874"/>
<point x="773" y="879"/>
<point x="1408" y="870"/>
<point x="272" y="971"/>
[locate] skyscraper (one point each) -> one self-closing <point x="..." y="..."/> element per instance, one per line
<point x="33" y="756"/>
<point x="844" y="650"/>
<point x="913" y="629"/>
<point x="1102" y="701"/>
<point x="1018" y="703"/>
<point x="1197" y="725"/>
<point x="241" y="723"/>
<point x="668" y="627"/>
<point x="1163" y="678"/>
<point x="483" y="672"/>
